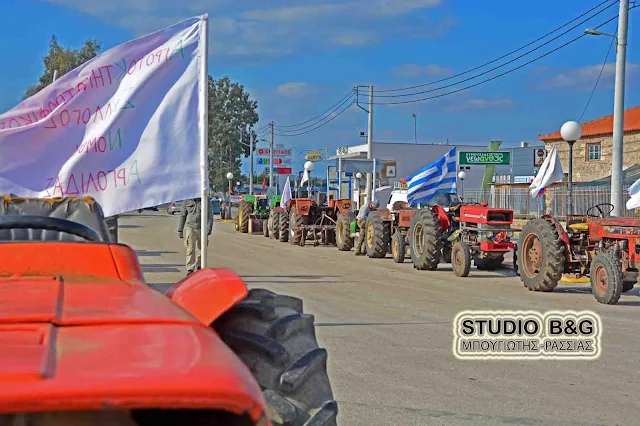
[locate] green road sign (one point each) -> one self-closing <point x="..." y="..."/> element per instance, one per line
<point x="484" y="157"/>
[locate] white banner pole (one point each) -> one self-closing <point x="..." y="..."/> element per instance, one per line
<point x="204" y="132"/>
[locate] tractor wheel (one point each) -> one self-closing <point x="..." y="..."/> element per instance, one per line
<point x="628" y="286"/>
<point x="488" y="264"/>
<point x="296" y="220"/>
<point x="515" y="260"/>
<point x="377" y="238"/>
<point x="606" y="279"/>
<point x="283" y="232"/>
<point x="236" y="225"/>
<point x="244" y="214"/>
<point x="446" y="252"/>
<point x="343" y="231"/>
<point x="425" y="240"/>
<point x="461" y="259"/>
<point x="540" y="256"/>
<point x="277" y="342"/>
<point x="275" y="225"/>
<point x="265" y="228"/>
<point x="398" y="249"/>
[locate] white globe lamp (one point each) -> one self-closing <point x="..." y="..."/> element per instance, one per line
<point x="570" y="131"/>
<point x="308" y="166"/>
<point x="359" y="175"/>
<point x="462" y="175"/>
<point x="229" y="175"/>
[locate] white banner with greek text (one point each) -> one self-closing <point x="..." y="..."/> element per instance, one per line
<point x="122" y="128"/>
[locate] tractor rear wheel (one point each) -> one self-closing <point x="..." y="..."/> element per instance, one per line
<point x="540" y="256"/>
<point x="461" y="259"/>
<point x="606" y="279"/>
<point x="377" y="238"/>
<point x="425" y="240"/>
<point x="283" y="227"/>
<point x="398" y="249"/>
<point x="277" y="342"/>
<point x="244" y="213"/>
<point x="265" y="227"/>
<point x="515" y="260"/>
<point x="343" y="231"/>
<point x="296" y="220"/>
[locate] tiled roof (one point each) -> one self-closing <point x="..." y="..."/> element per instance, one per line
<point x="602" y="126"/>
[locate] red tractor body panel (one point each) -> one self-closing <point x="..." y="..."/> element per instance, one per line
<point x="80" y="330"/>
<point x="404" y="218"/>
<point x="485" y="215"/>
<point x="302" y="205"/>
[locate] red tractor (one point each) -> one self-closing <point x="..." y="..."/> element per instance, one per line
<point x="607" y="249"/>
<point x="464" y="233"/>
<point x="85" y="341"/>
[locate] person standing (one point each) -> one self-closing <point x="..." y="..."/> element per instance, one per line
<point x="189" y="228"/>
<point x="363" y="214"/>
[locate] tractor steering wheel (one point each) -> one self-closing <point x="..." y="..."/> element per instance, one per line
<point x="49" y="224"/>
<point x="601" y="210"/>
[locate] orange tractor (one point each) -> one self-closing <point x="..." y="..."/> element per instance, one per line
<point x="83" y="339"/>
<point x="304" y="218"/>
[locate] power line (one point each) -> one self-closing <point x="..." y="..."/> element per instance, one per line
<point x="499" y="66"/>
<point x="329" y="110"/>
<point x="501" y="57"/>
<point x="496" y="76"/>
<point x="323" y="124"/>
<point x="318" y="121"/>
<point x="597" y="80"/>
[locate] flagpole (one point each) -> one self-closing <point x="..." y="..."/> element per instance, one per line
<point x="204" y="127"/>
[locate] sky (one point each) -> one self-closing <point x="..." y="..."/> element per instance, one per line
<point x="297" y="58"/>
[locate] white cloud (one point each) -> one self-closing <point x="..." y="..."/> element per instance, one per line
<point x="583" y="78"/>
<point x="295" y="89"/>
<point x="414" y="70"/>
<point x="480" y="103"/>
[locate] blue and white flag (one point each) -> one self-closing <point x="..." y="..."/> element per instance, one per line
<point x="634" y="194"/>
<point x="437" y="177"/>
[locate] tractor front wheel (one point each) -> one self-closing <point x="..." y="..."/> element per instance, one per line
<point x="283" y="227"/>
<point x="277" y="342"/>
<point x="461" y="259"/>
<point x="540" y="255"/>
<point x="343" y="231"/>
<point x="377" y="238"/>
<point x="425" y="240"/>
<point x="244" y="214"/>
<point x="296" y="220"/>
<point x="398" y="248"/>
<point x="606" y="279"/>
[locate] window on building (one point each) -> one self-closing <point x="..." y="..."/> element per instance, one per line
<point x="594" y="151"/>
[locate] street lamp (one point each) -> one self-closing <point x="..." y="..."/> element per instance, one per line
<point x="570" y="132"/>
<point x="415" y="128"/>
<point x="308" y="166"/>
<point x="462" y="175"/>
<point x="230" y="178"/>
<point x="599" y="33"/>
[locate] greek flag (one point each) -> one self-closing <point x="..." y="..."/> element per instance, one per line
<point x="434" y="178"/>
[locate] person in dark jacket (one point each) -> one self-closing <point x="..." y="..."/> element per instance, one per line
<point x="189" y="228"/>
<point x="363" y="214"/>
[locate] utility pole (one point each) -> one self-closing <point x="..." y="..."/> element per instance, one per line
<point x="326" y="162"/>
<point x="415" y="128"/>
<point x="251" y="160"/>
<point x="369" y="193"/>
<point x="618" y="111"/>
<point x="55" y="75"/>
<point x="272" y="125"/>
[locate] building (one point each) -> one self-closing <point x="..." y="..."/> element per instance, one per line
<point x="403" y="159"/>
<point x="592" y="153"/>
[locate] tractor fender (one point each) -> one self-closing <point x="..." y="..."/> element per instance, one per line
<point x="385" y="214"/>
<point x="208" y="293"/>
<point x="561" y="231"/>
<point x="443" y="216"/>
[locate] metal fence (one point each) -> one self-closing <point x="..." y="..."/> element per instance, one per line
<point x="553" y="202"/>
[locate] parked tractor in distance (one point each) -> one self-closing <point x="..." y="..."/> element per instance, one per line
<point x="309" y="219"/>
<point x="113" y="351"/>
<point x="604" y="248"/>
<point x="253" y="211"/>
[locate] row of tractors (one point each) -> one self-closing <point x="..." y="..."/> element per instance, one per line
<point x="604" y="248"/>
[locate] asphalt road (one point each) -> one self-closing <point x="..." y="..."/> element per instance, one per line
<point x="388" y="330"/>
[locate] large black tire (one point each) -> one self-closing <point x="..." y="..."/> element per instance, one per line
<point x="488" y="264"/>
<point x="265" y="228"/>
<point x="245" y="211"/>
<point x="628" y="286"/>
<point x="296" y="220"/>
<point x="378" y="236"/>
<point x="606" y="279"/>
<point x="343" y="231"/>
<point x="112" y="226"/>
<point x="540" y="271"/>
<point x="283" y="233"/>
<point x="425" y="240"/>
<point x="461" y="259"/>
<point x="446" y="252"/>
<point x="398" y="248"/>
<point x="515" y="260"/>
<point x="277" y="341"/>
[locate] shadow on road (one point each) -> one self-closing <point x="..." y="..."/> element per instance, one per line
<point x="149" y="253"/>
<point x="160" y="267"/>
<point x="129" y="226"/>
<point x="302" y="277"/>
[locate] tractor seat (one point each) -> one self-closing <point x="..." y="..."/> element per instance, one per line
<point x="578" y="227"/>
<point x="85" y="211"/>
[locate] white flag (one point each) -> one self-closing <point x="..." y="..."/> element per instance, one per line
<point x="122" y="128"/>
<point x="305" y="177"/>
<point x="286" y="194"/>
<point x="634" y="194"/>
<point x="550" y="172"/>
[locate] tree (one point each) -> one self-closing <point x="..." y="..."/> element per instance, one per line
<point x="63" y="60"/>
<point x="231" y="113"/>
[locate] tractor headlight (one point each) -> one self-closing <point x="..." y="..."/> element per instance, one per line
<point x="489" y="234"/>
<point x="509" y="234"/>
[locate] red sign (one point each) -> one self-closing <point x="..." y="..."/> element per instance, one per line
<point x="284" y="170"/>
<point x="276" y="152"/>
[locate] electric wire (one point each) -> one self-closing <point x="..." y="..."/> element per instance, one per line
<point x="497" y="67"/>
<point x="321" y="125"/>
<point x="316" y="122"/>
<point x="328" y="111"/>
<point x="496" y="76"/>
<point x="604" y="63"/>
<point x="501" y="57"/>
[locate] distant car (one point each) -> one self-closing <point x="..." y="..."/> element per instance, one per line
<point x="216" y="206"/>
<point x="155" y="209"/>
<point x="174" y="207"/>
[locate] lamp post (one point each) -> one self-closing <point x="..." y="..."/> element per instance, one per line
<point x="570" y="132"/>
<point x="308" y="166"/>
<point x="415" y="128"/>
<point x="230" y="178"/>
<point x="462" y="175"/>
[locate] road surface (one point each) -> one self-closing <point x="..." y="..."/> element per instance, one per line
<point x="388" y="330"/>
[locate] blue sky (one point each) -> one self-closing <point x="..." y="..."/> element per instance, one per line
<point x="298" y="57"/>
